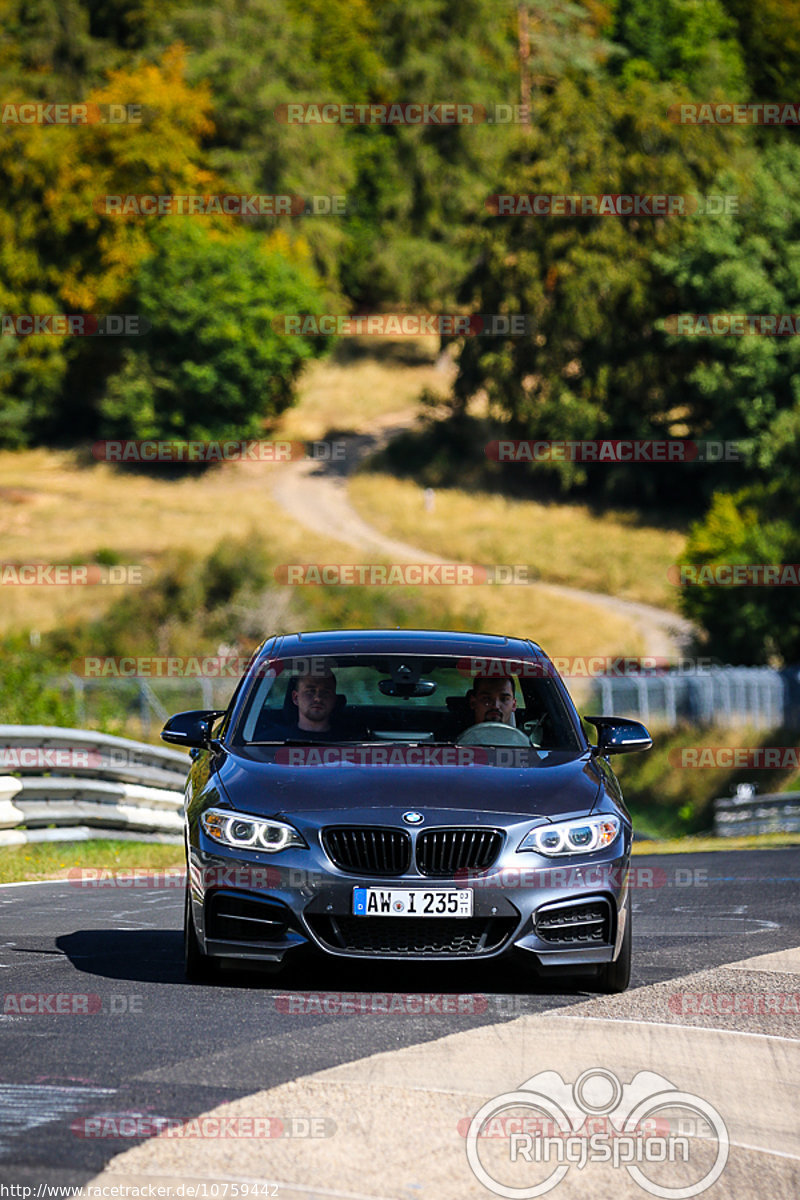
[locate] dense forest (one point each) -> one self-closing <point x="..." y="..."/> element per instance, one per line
<point x="398" y="217"/>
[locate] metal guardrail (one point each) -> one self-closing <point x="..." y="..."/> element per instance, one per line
<point x="776" y="812"/>
<point x="74" y="784"/>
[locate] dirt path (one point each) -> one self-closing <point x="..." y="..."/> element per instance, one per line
<point x="315" y="495"/>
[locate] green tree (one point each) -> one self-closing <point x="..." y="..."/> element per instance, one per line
<point x="409" y="189"/>
<point x="769" y="34"/>
<point x="60" y="253"/>
<point x="693" y="43"/>
<point x="744" y="388"/>
<point x="213" y="365"/>
<point x="756" y="525"/>
<point x="595" y="364"/>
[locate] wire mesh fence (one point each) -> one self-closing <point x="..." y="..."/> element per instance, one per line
<point x="758" y="697"/>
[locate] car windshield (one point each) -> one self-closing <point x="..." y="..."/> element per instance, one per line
<point x="407" y="699"/>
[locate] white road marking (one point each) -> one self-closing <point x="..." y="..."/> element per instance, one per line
<point x="26" y="1106"/>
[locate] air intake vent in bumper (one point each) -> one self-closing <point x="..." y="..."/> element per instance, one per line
<point x="582" y="922"/>
<point x="414" y="937"/>
<point x="230" y="917"/>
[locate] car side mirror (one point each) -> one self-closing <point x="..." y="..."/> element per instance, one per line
<point x="618" y="735"/>
<point x="191" y="728"/>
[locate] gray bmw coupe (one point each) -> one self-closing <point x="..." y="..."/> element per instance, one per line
<point x="406" y="795"/>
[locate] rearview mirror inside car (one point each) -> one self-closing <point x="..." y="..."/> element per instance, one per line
<point x="392" y="687"/>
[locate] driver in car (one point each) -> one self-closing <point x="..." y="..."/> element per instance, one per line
<point x="492" y="700"/>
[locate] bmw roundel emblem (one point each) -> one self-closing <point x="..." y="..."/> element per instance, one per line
<point x="413" y="818"/>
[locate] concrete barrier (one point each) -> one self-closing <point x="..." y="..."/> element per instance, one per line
<point x="10" y="815"/>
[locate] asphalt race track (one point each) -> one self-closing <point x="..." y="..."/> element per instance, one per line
<point x="133" y="1039"/>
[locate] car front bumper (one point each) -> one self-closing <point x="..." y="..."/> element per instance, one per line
<point x="552" y="914"/>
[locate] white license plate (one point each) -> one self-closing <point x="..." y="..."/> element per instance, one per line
<point x="416" y="902"/>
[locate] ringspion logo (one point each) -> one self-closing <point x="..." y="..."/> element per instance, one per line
<point x="646" y="1123"/>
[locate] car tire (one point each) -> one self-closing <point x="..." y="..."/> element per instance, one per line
<point x="615" y="976"/>
<point x="198" y="967"/>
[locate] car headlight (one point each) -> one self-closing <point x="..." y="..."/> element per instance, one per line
<point x="572" y="837"/>
<point x="249" y="833"/>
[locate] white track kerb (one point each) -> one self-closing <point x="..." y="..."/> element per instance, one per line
<point x="402" y="1118"/>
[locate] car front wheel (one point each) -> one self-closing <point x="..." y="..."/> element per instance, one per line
<point x="198" y="967"/>
<point x="615" y="976"/>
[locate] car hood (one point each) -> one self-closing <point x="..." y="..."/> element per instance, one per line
<point x="559" y="785"/>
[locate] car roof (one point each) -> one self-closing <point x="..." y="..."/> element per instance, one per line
<point x="401" y="641"/>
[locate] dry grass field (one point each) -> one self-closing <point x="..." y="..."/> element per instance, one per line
<point x="563" y="543"/>
<point x="60" y="507"/>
